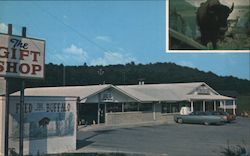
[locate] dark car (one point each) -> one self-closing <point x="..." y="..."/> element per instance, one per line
<point x="200" y="118"/>
<point x="226" y="115"/>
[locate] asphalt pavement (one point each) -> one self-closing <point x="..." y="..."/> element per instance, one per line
<point x="166" y="139"/>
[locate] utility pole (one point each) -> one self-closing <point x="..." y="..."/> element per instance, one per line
<point x="64" y="77"/>
<point x="101" y="72"/>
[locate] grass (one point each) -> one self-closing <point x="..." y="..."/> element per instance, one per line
<point x="235" y="151"/>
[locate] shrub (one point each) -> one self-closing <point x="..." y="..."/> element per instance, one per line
<point x="235" y="151"/>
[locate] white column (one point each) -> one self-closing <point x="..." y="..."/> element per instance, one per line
<point x="122" y="107"/>
<point x="204" y="106"/>
<point x="224" y="105"/>
<point x="214" y="105"/>
<point x="98" y="109"/>
<point x="98" y="114"/>
<point x="105" y="112"/>
<point x="154" y="111"/>
<point x="234" y="107"/>
<point x="221" y="104"/>
<point x="192" y="106"/>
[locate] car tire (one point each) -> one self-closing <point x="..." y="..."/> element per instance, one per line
<point x="179" y="120"/>
<point x="206" y="123"/>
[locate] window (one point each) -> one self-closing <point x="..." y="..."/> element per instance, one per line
<point x="114" y="107"/>
<point x="145" y="107"/>
<point x="170" y="108"/>
<point x="165" y="108"/>
<point x="175" y="108"/>
<point x="107" y="96"/>
<point x="129" y="107"/>
<point x="203" y="90"/>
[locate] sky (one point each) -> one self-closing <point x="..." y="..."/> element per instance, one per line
<point x="109" y="32"/>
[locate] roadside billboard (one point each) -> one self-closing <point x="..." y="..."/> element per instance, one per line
<point x="49" y="124"/>
<point x="21" y="57"/>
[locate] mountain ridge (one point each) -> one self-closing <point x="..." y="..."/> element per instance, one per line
<point x="131" y="73"/>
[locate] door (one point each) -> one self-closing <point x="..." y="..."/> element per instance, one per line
<point x="102" y="113"/>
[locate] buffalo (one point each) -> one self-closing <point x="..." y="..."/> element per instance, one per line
<point x="44" y="122"/>
<point x="212" y="21"/>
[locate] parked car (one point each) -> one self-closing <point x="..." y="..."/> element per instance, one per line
<point x="226" y="115"/>
<point x="200" y="118"/>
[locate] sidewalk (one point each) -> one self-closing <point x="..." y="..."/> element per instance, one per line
<point x="102" y="127"/>
<point x="88" y="150"/>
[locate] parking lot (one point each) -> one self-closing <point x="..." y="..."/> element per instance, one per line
<point x="167" y="139"/>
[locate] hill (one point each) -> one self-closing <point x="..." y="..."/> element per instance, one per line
<point x="131" y="73"/>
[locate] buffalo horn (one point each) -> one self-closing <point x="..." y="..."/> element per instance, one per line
<point x="232" y="8"/>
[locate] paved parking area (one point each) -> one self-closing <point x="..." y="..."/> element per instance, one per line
<point x="168" y="139"/>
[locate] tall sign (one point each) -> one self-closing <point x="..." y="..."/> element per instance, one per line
<point x="21" y="57"/>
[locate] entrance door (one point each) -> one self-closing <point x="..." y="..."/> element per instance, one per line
<point x="87" y="113"/>
<point x="198" y="106"/>
<point x="102" y="113"/>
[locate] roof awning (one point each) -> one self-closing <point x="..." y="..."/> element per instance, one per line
<point x="208" y="97"/>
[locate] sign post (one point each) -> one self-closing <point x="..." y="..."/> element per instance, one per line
<point x="7" y="99"/>
<point x="21" y="108"/>
<point x="20" y="57"/>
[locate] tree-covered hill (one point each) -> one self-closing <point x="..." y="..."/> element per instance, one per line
<point x="131" y="73"/>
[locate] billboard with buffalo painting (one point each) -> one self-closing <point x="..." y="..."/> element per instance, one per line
<point x="47" y="121"/>
<point x="207" y="26"/>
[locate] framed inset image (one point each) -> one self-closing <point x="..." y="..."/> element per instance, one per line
<point x="207" y="26"/>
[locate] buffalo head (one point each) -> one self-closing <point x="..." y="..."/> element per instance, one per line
<point x="212" y="20"/>
<point x="218" y="16"/>
<point x="44" y="122"/>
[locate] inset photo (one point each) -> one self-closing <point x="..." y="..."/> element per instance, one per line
<point x="207" y="26"/>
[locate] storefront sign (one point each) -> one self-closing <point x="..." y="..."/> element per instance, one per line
<point x="21" y="57"/>
<point x="44" y="107"/>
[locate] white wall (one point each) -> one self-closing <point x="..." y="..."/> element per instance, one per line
<point x="119" y="118"/>
<point x="2" y="122"/>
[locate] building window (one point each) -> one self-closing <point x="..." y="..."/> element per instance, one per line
<point x="145" y="107"/>
<point x="175" y="108"/>
<point x="165" y="108"/>
<point x="170" y="108"/>
<point x="107" y="97"/>
<point x="130" y="107"/>
<point x="203" y="90"/>
<point x="114" y="107"/>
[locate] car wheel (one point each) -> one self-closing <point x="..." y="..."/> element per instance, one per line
<point x="206" y="123"/>
<point x="180" y="120"/>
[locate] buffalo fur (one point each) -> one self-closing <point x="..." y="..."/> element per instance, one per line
<point x="212" y="21"/>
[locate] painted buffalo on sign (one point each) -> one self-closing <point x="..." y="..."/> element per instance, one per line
<point x="212" y="21"/>
<point x="44" y="122"/>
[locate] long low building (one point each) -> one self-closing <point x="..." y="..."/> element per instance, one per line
<point x="128" y="104"/>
